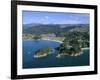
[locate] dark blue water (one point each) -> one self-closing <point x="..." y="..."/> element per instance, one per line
<point x="29" y="48"/>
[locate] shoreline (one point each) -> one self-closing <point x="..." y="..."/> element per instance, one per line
<point x="52" y="40"/>
<point x="74" y="55"/>
<point x="59" y="55"/>
<point x="85" y="48"/>
<point x="77" y="54"/>
<point x="39" y="56"/>
<point x="43" y="39"/>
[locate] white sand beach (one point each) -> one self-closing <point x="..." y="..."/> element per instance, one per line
<point x="85" y="48"/>
<point x="52" y="40"/>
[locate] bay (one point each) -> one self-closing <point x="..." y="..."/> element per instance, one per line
<point x="30" y="47"/>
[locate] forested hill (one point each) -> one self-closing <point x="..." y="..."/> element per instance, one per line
<point x="54" y="28"/>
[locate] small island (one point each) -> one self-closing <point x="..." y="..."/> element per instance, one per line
<point x="43" y="52"/>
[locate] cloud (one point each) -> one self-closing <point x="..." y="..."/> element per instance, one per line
<point x="70" y="22"/>
<point x="46" y="17"/>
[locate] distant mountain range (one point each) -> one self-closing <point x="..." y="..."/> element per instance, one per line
<point x="61" y="25"/>
<point x="53" y="28"/>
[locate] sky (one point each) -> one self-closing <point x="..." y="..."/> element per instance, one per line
<point x="54" y="17"/>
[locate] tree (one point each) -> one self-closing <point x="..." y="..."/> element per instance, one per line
<point x="36" y="37"/>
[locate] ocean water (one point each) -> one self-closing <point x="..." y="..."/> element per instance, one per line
<point x="29" y="48"/>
